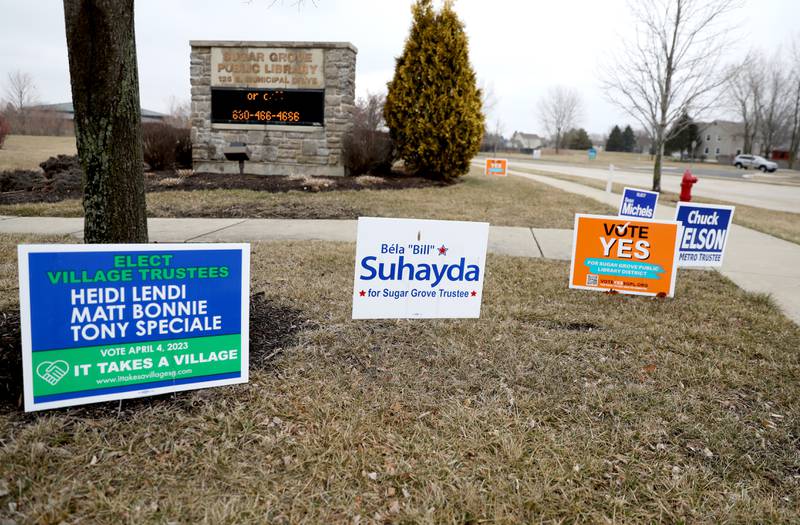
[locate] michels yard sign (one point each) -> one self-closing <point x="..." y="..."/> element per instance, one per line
<point x="107" y="322"/>
<point x="413" y="268"/>
<point x="638" y="204"/>
<point x="624" y="255"/>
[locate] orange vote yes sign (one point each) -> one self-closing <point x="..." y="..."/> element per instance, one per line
<point x="496" y="167"/>
<point x="627" y="256"/>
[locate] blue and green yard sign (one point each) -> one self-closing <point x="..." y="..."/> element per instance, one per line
<point x="107" y="322"/>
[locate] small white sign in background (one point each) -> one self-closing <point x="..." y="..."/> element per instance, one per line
<point x="414" y="268"/>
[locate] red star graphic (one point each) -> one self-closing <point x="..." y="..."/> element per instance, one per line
<point x="442" y="250"/>
<point x="362" y="293"/>
<point x="474" y="293"/>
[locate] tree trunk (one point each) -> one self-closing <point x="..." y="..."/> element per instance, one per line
<point x="558" y="140"/>
<point x="657" y="169"/>
<point x="747" y="143"/>
<point x="105" y="93"/>
<point x="659" y="152"/>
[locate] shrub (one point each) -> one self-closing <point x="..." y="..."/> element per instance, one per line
<point x="5" y="129"/>
<point x="183" y="149"/>
<point x="165" y="146"/>
<point x="19" y="180"/>
<point x="368" y="149"/>
<point x="433" y="108"/>
<point x="579" y="139"/>
<point x="62" y="174"/>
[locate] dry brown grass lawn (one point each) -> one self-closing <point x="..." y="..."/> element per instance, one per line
<point x="505" y="202"/>
<point x="555" y="406"/>
<point x="25" y="152"/>
<point x="782" y="224"/>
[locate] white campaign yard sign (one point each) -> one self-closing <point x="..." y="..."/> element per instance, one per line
<point x="414" y="268"/>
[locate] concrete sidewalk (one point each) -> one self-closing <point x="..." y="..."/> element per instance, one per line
<point x="503" y="240"/>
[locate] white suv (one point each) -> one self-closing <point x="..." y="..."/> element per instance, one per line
<point x="754" y="161"/>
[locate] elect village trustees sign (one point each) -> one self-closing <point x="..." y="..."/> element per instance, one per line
<point x="107" y="322"/>
<point x="413" y="268"/>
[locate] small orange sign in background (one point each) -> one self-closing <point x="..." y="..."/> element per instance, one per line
<point x="497" y="167"/>
<point x="627" y="256"/>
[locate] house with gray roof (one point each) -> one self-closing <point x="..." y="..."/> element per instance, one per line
<point x="526" y="142"/>
<point x="67" y="111"/>
<point x="722" y="140"/>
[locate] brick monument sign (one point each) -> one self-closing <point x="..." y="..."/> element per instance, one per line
<point x="289" y="104"/>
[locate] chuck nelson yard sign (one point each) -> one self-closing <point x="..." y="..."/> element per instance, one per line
<point x="625" y="255"/>
<point x="107" y="322"/>
<point x="412" y="268"/>
<point x="705" y="233"/>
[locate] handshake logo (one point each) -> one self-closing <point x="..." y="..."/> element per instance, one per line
<point x="52" y="371"/>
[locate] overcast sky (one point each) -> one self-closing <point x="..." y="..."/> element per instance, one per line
<point x="520" y="48"/>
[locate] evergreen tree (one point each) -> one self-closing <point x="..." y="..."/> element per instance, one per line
<point x="565" y="140"/>
<point x="433" y="107"/>
<point x="615" y="141"/>
<point x="579" y="139"/>
<point x="681" y="135"/>
<point x="628" y="140"/>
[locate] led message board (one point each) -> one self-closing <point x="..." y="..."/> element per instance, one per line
<point x="290" y="107"/>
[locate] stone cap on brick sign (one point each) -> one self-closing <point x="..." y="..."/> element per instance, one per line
<point x="263" y="43"/>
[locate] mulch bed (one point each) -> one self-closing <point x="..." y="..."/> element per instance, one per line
<point x="273" y="328"/>
<point x="61" y="179"/>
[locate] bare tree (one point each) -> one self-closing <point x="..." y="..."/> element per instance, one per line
<point x="295" y="3"/>
<point x="497" y="134"/>
<point x="368" y="114"/>
<point x="773" y="105"/>
<point x="180" y="112"/>
<point x="492" y="138"/>
<point x="671" y="66"/>
<point x="367" y="147"/>
<point x="794" y="102"/>
<point x="20" y="91"/>
<point x="644" y="142"/>
<point x="743" y="93"/>
<point x="558" y="111"/>
<point x="488" y="97"/>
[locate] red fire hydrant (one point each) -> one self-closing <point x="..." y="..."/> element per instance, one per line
<point x="686" y="186"/>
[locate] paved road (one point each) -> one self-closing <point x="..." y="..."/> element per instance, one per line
<point x="769" y="196"/>
<point x="701" y="171"/>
